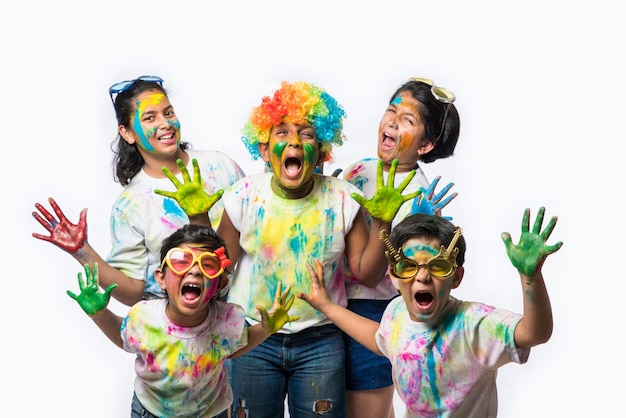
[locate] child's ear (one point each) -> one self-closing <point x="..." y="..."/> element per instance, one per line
<point x="125" y="134"/>
<point x="159" y="275"/>
<point x="458" y="277"/>
<point x="264" y="151"/>
<point x="426" y="147"/>
<point x="321" y="158"/>
<point x="222" y="284"/>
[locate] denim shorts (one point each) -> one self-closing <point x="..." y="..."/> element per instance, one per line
<point x="364" y="369"/>
<point x="307" y="368"/>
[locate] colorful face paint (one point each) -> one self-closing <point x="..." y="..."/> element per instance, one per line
<point x="411" y="250"/>
<point x="145" y="124"/>
<point x="400" y="131"/>
<point x="293" y="155"/>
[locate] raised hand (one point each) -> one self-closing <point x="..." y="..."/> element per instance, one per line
<point x="531" y="251"/>
<point x="279" y="315"/>
<point x="64" y="234"/>
<point x="430" y="205"/>
<point x="90" y="299"/>
<point x="387" y="201"/>
<point x="190" y="195"/>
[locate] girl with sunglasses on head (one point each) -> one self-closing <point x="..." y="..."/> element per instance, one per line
<point x="183" y="341"/>
<point x="446" y="352"/>
<point x="149" y="140"/>
<point x="420" y="124"/>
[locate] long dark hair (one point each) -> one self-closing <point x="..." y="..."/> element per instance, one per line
<point x="432" y="113"/>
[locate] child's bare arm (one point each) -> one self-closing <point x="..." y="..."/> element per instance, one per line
<point x="361" y="329"/>
<point x="528" y="257"/>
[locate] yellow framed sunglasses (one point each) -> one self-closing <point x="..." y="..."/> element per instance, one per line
<point x="441" y="266"/>
<point x="181" y="260"/>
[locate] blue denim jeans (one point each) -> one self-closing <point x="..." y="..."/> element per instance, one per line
<point x="138" y="411"/>
<point x="308" y="366"/>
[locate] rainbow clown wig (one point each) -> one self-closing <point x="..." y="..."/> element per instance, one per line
<point x="300" y="103"/>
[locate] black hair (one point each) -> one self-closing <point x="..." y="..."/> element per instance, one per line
<point x="127" y="161"/>
<point x="432" y="112"/>
<point x="201" y="235"/>
<point x="427" y="226"/>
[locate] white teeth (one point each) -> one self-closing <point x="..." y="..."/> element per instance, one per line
<point x="191" y="285"/>
<point x="165" y="138"/>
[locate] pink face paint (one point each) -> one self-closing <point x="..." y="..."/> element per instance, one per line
<point x="211" y="286"/>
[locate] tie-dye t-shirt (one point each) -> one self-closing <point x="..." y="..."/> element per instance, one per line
<point x="449" y="369"/>
<point x="142" y="219"/>
<point x="363" y="175"/>
<point x="280" y="236"/>
<point x="180" y="371"/>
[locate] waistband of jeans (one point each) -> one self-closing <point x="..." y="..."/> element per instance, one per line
<point x="306" y="331"/>
<point x="311" y="330"/>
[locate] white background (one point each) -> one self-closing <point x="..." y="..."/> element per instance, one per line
<point x="539" y="89"/>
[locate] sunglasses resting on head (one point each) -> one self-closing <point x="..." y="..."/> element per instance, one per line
<point x="122" y="86"/>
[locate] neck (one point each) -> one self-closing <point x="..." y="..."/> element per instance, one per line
<point x="296" y="193"/>
<point x="402" y="168"/>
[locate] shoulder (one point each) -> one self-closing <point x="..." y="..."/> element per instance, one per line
<point x="145" y="308"/>
<point x="230" y="314"/>
<point x="337" y="183"/>
<point x="215" y="158"/>
<point x="360" y="167"/>
<point x="251" y="182"/>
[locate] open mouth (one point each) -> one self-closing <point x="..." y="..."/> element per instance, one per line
<point x="293" y="166"/>
<point x="388" y="141"/>
<point x="191" y="292"/>
<point x="423" y="299"/>
<point x="167" y="139"/>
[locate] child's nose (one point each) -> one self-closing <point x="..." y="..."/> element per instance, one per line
<point x="294" y="140"/>
<point x="423" y="275"/>
<point x="195" y="270"/>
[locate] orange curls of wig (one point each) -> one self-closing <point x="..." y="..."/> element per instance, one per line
<point x="301" y="103"/>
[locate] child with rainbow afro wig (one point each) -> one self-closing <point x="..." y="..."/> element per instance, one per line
<point x="297" y="102"/>
<point x="277" y="222"/>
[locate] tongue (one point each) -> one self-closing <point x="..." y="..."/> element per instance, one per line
<point x="292" y="169"/>
<point x="389" y="141"/>
<point x="190" y="293"/>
